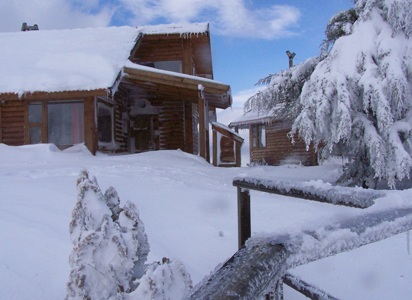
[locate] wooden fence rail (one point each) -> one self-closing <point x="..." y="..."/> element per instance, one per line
<point x="260" y="267"/>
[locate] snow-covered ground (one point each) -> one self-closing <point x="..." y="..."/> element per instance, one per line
<point x="189" y="211"/>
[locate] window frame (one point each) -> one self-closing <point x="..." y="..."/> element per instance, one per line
<point x="106" y="104"/>
<point x="44" y="124"/>
<point x="258" y="136"/>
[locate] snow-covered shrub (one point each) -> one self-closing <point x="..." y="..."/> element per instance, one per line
<point x="110" y="245"/>
<point x="168" y="280"/>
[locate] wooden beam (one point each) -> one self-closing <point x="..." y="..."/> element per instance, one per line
<point x="90" y="130"/>
<point x="238" y="153"/>
<point x="215" y="147"/>
<point x="66" y="95"/>
<point x="45" y="123"/>
<point x="207" y="132"/>
<point x="202" y="129"/>
<point x="246" y="275"/>
<point x="332" y="194"/>
<point x="26" y="124"/>
<point x="243" y="216"/>
<point x="188" y="128"/>
<point x="177" y="80"/>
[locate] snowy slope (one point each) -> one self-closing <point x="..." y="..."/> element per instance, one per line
<point x="189" y="211"/>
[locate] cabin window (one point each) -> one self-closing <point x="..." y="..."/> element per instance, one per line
<point x="104" y="123"/>
<point x="170" y="65"/>
<point x="35" y="122"/>
<point x="258" y="136"/>
<point x="65" y="123"/>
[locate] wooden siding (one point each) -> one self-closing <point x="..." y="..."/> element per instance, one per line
<point x="159" y="48"/>
<point x="195" y="122"/>
<point x="90" y="128"/>
<point x="12" y="123"/>
<point x="121" y="106"/>
<point x="279" y="148"/>
<point x="193" y="51"/>
<point x="171" y="125"/>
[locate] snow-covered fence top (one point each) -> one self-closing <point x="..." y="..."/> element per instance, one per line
<point x="255" y="268"/>
<point x="315" y="190"/>
<point x="265" y="259"/>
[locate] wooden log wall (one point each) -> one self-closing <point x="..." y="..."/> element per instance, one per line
<point x="121" y="106"/>
<point x="171" y="125"/>
<point x="279" y="147"/>
<point x="12" y="123"/>
<point x="195" y="122"/>
<point x="227" y="150"/>
<point x="159" y="48"/>
<point x="90" y="128"/>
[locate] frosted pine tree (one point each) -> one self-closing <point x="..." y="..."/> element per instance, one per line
<point x="357" y="101"/>
<point x="110" y="246"/>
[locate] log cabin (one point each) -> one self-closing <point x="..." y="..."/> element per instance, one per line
<point x="269" y="142"/>
<point x="115" y="89"/>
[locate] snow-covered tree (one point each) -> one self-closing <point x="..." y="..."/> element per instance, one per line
<point x="357" y="101"/>
<point x="110" y="249"/>
<point x="110" y="245"/>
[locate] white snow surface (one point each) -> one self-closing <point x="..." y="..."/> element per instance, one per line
<point x="189" y="209"/>
<point x="72" y="59"/>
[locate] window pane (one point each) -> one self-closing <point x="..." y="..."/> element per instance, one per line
<point x="254" y="136"/>
<point x="172" y="65"/>
<point x="262" y="136"/>
<point x="35" y="134"/>
<point x="104" y="123"/>
<point x="66" y="123"/>
<point x="35" y="115"/>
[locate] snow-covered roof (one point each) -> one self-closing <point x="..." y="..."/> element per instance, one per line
<point x="71" y="60"/>
<point x="182" y="29"/>
<point x="229" y="130"/>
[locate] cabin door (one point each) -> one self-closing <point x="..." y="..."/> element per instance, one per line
<point x="145" y="133"/>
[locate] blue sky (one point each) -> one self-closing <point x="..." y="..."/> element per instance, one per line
<point x="249" y="38"/>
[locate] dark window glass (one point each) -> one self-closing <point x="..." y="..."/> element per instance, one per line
<point x="104" y="123"/>
<point x="35" y="115"/>
<point x="66" y="123"/>
<point x="35" y="134"/>
<point x="172" y="65"/>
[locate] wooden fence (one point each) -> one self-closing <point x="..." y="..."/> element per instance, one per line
<point x="259" y="268"/>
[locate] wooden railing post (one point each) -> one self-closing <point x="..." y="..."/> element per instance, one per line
<point x="243" y="216"/>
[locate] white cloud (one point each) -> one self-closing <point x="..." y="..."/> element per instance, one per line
<point x="228" y="17"/>
<point x="52" y="14"/>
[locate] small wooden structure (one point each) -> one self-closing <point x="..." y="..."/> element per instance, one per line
<point x="116" y="89"/>
<point x="226" y="146"/>
<point x="269" y="141"/>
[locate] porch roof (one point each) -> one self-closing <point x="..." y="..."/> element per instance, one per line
<point x="186" y="86"/>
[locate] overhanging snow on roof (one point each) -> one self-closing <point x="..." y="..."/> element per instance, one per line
<point x="72" y="60"/>
<point x="256" y="117"/>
